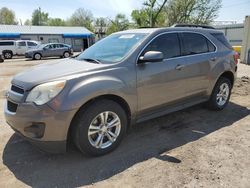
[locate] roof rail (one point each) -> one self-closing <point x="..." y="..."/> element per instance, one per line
<point x="193" y="25"/>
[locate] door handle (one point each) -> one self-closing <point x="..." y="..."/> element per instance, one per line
<point x="179" y="67"/>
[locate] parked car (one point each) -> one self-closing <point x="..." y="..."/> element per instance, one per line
<point x="50" y="50"/>
<point x="11" y="47"/>
<point x="126" y="78"/>
<point x="1" y="58"/>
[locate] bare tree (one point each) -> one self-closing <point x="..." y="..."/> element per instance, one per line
<point x="192" y="11"/>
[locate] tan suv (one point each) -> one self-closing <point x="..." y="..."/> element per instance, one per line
<point x="126" y="78"/>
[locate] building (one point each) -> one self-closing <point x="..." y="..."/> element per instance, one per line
<point x="79" y="38"/>
<point x="238" y="35"/>
<point x="233" y="32"/>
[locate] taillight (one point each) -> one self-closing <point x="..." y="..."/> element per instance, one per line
<point x="236" y="57"/>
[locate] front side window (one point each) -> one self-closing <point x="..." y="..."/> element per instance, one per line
<point x="194" y="43"/>
<point x="168" y="44"/>
<point x="48" y="47"/>
<point x="113" y="48"/>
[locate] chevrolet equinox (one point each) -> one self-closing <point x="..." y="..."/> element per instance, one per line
<point x="125" y="78"/>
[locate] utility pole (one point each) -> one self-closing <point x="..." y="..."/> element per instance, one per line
<point x="39" y="15"/>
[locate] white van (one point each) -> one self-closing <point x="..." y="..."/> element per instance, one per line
<point x="11" y="47"/>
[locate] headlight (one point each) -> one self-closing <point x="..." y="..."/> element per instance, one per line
<point x="43" y="93"/>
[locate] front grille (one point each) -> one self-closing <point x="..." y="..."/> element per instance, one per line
<point x="17" y="89"/>
<point x="12" y="107"/>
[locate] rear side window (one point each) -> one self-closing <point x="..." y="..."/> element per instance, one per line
<point x="194" y="43"/>
<point x="31" y="44"/>
<point x="21" y="43"/>
<point x="168" y="44"/>
<point x="220" y="37"/>
<point x="6" y="43"/>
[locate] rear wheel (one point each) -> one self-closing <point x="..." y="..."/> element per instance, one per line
<point x="37" y="56"/>
<point x="8" y="55"/>
<point x="99" y="128"/>
<point x="220" y="95"/>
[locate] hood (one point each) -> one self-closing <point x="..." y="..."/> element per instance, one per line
<point x="56" y="70"/>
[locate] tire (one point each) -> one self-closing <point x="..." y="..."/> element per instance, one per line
<point x="8" y="55"/>
<point x="66" y="54"/>
<point x="220" y="95"/>
<point x="86" y="138"/>
<point x="37" y="56"/>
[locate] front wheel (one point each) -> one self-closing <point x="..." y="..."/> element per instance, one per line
<point x="100" y="127"/>
<point x="66" y="54"/>
<point x="220" y="95"/>
<point x="37" y="56"/>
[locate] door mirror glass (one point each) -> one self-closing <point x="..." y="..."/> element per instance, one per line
<point x="151" y="56"/>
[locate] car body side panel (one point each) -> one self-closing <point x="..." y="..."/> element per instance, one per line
<point x="121" y="83"/>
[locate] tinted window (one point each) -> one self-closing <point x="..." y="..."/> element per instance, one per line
<point x="211" y="47"/>
<point x="194" y="43"/>
<point x="220" y="37"/>
<point x="48" y="47"/>
<point x="6" y="43"/>
<point x="168" y="44"/>
<point x="31" y="44"/>
<point x="21" y="43"/>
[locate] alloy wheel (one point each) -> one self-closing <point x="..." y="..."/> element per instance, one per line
<point x="223" y="94"/>
<point x="104" y="130"/>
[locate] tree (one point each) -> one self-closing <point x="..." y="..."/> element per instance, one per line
<point x="192" y="11"/>
<point x="101" y="25"/>
<point x="56" y="22"/>
<point x="39" y="17"/>
<point x="7" y="17"/>
<point x="120" y="23"/>
<point x="82" y="17"/>
<point x="150" y="15"/>
<point x="27" y="22"/>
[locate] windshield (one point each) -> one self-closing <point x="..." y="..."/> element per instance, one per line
<point x="113" y="48"/>
<point x="41" y="46"/>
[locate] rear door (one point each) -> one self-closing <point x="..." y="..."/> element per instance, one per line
<point x="199" y="55"/>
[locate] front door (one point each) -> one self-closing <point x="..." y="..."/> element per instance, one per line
<point x="21" y="47"/>
<point x="160" y="83"/>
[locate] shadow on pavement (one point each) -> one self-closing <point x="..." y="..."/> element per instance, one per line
<point x="151" y="139"/>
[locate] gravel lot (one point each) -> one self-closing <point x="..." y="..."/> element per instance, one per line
<point x="191" y="148"/>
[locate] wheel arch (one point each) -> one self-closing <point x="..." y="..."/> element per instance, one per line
<point x="118" y="99"/>
<point x="227" y="74"/>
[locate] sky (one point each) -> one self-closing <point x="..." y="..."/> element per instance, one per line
<point x="232" y="10"/>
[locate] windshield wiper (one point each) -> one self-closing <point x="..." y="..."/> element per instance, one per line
<point x="97" y="61"/>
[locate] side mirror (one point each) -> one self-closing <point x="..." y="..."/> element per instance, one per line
<point x="151" y="56"/>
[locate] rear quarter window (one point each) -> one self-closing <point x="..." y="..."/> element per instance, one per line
<point x="6" y="43"/>
<point x="221" y="38"/>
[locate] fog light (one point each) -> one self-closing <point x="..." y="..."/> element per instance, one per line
<point x="36" y="130"/>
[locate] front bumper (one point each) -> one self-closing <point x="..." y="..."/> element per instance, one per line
<point x="41" y="125"/>
<point x="28" y="55"/>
